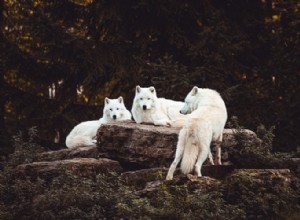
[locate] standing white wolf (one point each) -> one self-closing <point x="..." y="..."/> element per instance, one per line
<point x="84" y="133"/>
<point x="147" y="108"/>
<point x="204" y="125"/>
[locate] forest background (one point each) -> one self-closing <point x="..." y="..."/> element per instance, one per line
<point x="60" y="58"/>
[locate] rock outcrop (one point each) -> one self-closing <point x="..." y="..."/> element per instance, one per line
<point x="149" y="145"/>
<point x="83" y="183"/>
<point x="148" y="182"/>
<point x="83" y="167"/>
<point x="140" y="177"/>
<point x="137" y="146"/>
<point x="69" y="153"/>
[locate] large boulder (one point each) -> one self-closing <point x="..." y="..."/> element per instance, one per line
<point x="149" y="145"/>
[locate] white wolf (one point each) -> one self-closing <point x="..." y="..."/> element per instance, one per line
<point x="84" y="133"/>
<point x="204" y="125"/>
<point x="147" y="108"/>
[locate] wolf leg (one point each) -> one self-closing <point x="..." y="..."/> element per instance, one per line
<point x="218" y="149"/>
<point x="162" y="122"/>
<point x="178" y="156"/>
<point x="203" y="154"/>
<point x="210" y="157"/>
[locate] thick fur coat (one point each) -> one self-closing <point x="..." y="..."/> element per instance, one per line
<point x="84" y="134"/>
<point x="207" y="116"/>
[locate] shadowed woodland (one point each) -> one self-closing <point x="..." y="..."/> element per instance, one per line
<point x="60" y="58"/>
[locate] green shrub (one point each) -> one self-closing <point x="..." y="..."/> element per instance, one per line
<point x="239" y="196"/>
<point x="248" y="153"/>
<point x="26" y="148"/>
<point x="269" y="197"/>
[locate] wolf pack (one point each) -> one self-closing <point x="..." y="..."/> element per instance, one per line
<point x="201" y="117"/>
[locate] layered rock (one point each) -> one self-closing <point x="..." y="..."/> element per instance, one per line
<point x="223" y="192"/>
<point x="83" y="167"/>
<point x="148" y="182"/>
<point x="69" y="153"/>
<point x="149" y="145"/>
<point x="140" y="177"/>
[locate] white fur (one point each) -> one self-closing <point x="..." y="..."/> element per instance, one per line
<point x="205" y="123"/>
<point x="147" y="108"/>
<point x="84" y="133"/>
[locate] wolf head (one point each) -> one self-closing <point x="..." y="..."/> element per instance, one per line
<point x="190" y="102"/>
<point x="113" y="108"/>
<point x="145" y="98"/>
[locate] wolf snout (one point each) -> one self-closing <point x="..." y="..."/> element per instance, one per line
<point x="114" y="117"/>
<point x="144" y="107"/>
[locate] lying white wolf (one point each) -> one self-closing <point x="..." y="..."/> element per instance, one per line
<point x="84" y="133"/>
<point x="147" y="108"/>
<point x="204" y="125"/>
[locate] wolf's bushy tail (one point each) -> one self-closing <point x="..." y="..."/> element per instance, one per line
<point x="77" y="141"/>
<point x="191" y="149"/>
<point x="198" y="135"/>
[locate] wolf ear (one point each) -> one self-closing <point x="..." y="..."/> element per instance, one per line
<point x="138" y="89"/>
<point x="120" y="99"/>
<point x="195" y="90"/>
<point x="152" y="89"/>
<point x="106" y="100"/>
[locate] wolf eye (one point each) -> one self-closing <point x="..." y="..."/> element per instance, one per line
<point x="110" y="109"/>
<point x="148" y="98"/>
<point x="141" y="98"/>
<point x="117" y="108"/>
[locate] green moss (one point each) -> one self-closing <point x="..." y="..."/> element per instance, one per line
<point x="109" y="196"/>
<point x="265" y="198"/>
<point x="258" y="154"/>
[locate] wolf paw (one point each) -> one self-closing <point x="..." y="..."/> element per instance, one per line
<point x="163" y="123"/>
<point x="168" y="124"/>
<point x="169" y="177"/>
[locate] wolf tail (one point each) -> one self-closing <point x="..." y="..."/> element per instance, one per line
<point x="190" y="152"/>
<point x="77" y="141"/>
<point x="197" y="141"/>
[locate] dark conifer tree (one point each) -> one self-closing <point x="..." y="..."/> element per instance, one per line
<point x="247" y="50"/>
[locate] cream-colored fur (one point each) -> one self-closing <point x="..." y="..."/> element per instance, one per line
<point x="147" y="108"/>
<point x="205" y="123"/>
<point x="84" y="133"/>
